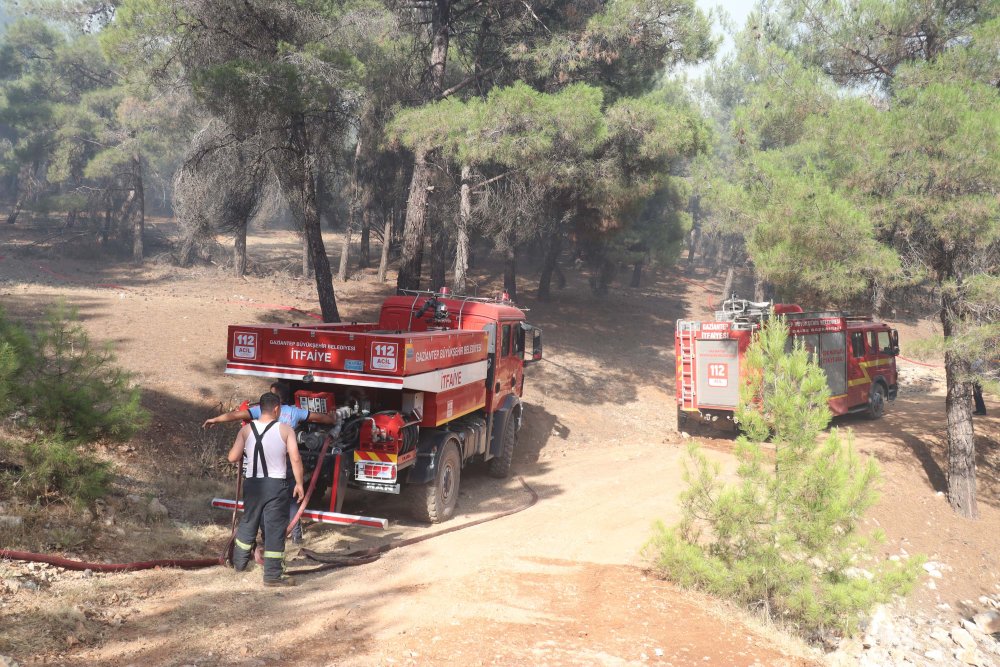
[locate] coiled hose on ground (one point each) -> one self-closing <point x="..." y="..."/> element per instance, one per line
<point x="328" y="561"/>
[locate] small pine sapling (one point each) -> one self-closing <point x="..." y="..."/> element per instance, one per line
<point x="785" y="537"/>
<point x="74" y="387"/>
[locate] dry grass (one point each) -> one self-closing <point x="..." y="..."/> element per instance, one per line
<point x="207" y="448"/>
<point x="69" y="609"/>
<point x="46" y="627"/>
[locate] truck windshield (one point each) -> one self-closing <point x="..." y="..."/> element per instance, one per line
<point x="881" y="342"/>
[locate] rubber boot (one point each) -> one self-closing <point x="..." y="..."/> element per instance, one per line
<point x="241" y="555"/>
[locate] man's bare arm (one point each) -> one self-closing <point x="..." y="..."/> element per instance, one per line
<point x="322" y="418"/>
<point x="234" y="416"/>
<point x="293" y="457"/>
<point x="236" y="452"/>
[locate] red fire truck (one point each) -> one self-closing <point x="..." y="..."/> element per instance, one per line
<point x="434" y="384"/>
<point x="858" y="355"/>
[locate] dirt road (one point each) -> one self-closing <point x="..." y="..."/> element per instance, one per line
<point x="562" y="583"/>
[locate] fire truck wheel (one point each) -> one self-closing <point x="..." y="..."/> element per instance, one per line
<point x="876" y="401"/>
<point x="500" y="465"/>
<point x="436" y="501"/>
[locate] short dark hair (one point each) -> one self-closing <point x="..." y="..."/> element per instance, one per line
<point x="269" y="402"/>
<point x="283" y="390"/>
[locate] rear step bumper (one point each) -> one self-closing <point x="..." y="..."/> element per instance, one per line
<point x="316" y="515"/>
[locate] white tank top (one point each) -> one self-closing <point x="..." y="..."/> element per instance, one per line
<point x="275" y="453"/>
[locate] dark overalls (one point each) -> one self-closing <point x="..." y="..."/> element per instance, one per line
<point x="265" y="506"/>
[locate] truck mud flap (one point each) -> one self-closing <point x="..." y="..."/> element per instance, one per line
<point x="319" y="516"/>
<point x="509" y="410"/>
<point x="429" y="450"/>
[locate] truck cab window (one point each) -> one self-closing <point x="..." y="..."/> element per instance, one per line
<point x="881" y="342"/>
<point x="858" y="344"/>
<point x="505" y="341"/>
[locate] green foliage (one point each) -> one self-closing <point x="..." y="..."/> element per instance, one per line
<point x="57" y="467"/>
<point x="66" y="384"/>
<point x="612" y="160"/>
<point x="9" y="366"/>
<point x="784" y="538"/>
<point x="866" y="41"/>
<point x="624" y="46"/>
<point x="811" y="240"/>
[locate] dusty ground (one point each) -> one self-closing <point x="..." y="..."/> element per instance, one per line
<point x="562" y="583"/>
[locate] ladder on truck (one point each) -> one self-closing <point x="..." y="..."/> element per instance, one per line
<point x="686" y="369"/>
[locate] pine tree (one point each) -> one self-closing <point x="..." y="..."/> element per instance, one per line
<point x="65" y="383"/>
<point x="785" y="537"/>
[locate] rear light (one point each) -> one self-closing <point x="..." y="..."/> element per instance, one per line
<point x="380" y="471"/>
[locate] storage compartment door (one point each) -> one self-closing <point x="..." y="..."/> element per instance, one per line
<point x="718" y="373"/>
<point x="833" y="360"/>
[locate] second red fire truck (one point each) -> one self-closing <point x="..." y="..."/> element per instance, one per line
<point x="858" y="355"/>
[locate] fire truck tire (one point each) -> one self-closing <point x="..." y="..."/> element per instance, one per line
<point x="500" y="465"/>
<point x="435" y="502"/>
<point x="876" y="401"/>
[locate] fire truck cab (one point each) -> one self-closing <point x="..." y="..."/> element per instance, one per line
<point x="858" y="355"/>
<point x="434" y="384"/>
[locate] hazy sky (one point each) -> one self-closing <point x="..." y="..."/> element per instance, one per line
<point x="737" y="10"/>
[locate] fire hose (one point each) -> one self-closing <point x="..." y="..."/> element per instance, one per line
<point x="328" y="561"/>
<point x="182" y="563"/>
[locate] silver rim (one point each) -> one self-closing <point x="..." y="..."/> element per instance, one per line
<point x="447" y="483"/>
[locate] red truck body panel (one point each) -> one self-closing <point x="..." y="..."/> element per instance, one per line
<point x="854" y="352"/>
<point x="435" y="375"/>
<point x="401" y="352"/>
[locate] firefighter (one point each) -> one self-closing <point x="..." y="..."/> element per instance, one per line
<point x="291" y="416"/>
<point x="270" y="447"/>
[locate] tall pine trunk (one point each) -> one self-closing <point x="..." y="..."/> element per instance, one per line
<point x="320" y="261"/>
<point x="693" y="239"/>
<point x="762" y="290"/>
<point x="961" y="437"/>
<point x="727" y="285"/>
<point x="695" y="207"/>
<point x="296" y="172"/>
<point x="240" y="251"/>
<point x="345" y="251"/>
<point x="124" y="215"/>
<point x="383" y="264"/>
<point x="108" y="221"/>
<point x="364" y="251"/>
<point x="307" y="258"/>
<point x="18" y="205"/>
<point x="139" y="224"/>
<point x="415" y="226"/>
<point x="510" y="264"/>
<point x="550" y="264"/>
<point x="462" y="234"/>
<point x="439" y="256"/>
<point x="637" y="273"/>
<point x="416" y="207"/>
<point x="878" y="297"/>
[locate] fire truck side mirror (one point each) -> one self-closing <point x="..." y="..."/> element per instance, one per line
<point x="536" y="343"/>
<point x="894" y="342"/>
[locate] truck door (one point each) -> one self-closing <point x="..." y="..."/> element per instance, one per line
<point x="882" y="359"/>
<point x="508" y="364"/>
<point x="858" y="382"/>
